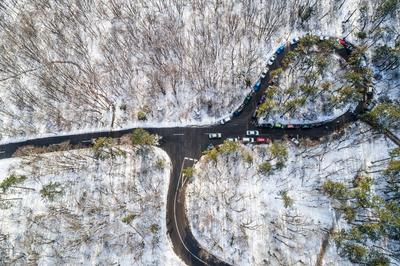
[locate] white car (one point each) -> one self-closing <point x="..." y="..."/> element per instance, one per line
<point x="226" y="120"/>
<point x="294" y="40"/>
<point x="323" y="38"/>
<point x="252" y="133"/>
<point x="264" y="72"/>
<point x="232" y="139"/>
<point x="271" y="61"/>
<point x="295" y="141"/>
<point x="248" y="140"/>
<point x="214" y="135"/>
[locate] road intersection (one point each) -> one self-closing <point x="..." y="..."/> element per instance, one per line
<point x="186" y="144"/>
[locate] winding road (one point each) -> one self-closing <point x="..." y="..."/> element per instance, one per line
<point x="186" y="143"/>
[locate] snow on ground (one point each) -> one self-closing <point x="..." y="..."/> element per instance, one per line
<point x="178" y="62"/>
<point x="314" y="80"/>
<point x="73" y="209"/>
<point x="239" y="214"/>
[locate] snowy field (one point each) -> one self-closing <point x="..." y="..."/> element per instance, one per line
<point x="123" y="64"/>
<point x="280" y="218"/>
<point x="72" y="209"/>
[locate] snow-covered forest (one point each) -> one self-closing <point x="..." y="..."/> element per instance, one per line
<point x="121" y="63"/>
<point x="269" y="204"/>
<point x="100" y="207"/>
<point x="313" y="85"/>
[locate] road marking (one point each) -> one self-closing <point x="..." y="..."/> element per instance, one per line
<point x="176" y="223"/>
<point x="178" y="134"/>
<point x="2" y="152"/>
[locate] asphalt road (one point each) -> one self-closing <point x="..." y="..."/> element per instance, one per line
<point x="189" y="142"/>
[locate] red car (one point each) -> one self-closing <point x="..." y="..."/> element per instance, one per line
<point x="290" y="126"/>
<point x="342" y="42"/>
<point x="263" y="140"/>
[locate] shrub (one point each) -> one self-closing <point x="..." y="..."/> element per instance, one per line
<point x="188" y="172"/>
<point x="229" y="146"/>
<point x="335" y="190"/>
<point x="211" y="154"/>
<point x="265" y="168"/>
<point x="141" y="116"/>
<point x="356" y="253"/>
<point x="142" y="137"/>
<point x="386" y="7"/>
<point x="154" y="228"/>
<point x="51" y="190"/>
<point x="129" y="218"/>
<point x="160" y="164"/>
<point x="278" y="150"/>
<point x="362" y="35"/>
<point x="287" y="201"/>
<point x="11" y="180"/>
<point x="247" y="157"/>
<point x="101" y="147"/>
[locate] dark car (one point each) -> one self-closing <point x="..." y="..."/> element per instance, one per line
<point x="247" y="99"/>
<point x="239" y="110"/>
<point x="280" y="49"/>
<point x="257" y="86"/>
<point x="262" y="99"/>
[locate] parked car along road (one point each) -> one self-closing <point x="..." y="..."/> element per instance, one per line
<point x="263" y="140"/>
<point x="295" y="40"/>
<point x="226" y="120"/>
<point x="271" y="61"/>
<point x="257" y="86"/>
<point x="252" y="133"/>
<point x="248" y="140"/>
<point x="214" y="135"/>
<point x="295" y="141"/>
<point x="233" y="139"/>
<point x="280" y="49"/>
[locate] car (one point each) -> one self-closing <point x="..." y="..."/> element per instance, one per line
<point x="295" y="40"/>
<point x="257" y="86"/>
<point x="214" y="135"/>
<point x="370" y="90"/>
<point x="247" y="99"/>
<point x="210" y="147"/>
<point x="271" y="61"/>
<point x="370" y="105"/>
<point x="295" y="141"/>
<point x="248" y="140"/>
<point x="263" y="140"/>
<point x="252" y="133"/>
<point x="264" y="72"/>
<point x="305" y="126"/>
<point x="280" y="49"/>
<point x="342" y="42"/>
<point x="262" y="99"/>
<point x="238" y="111"/>
<point x="232" y="139"/>
<point x="323" y="38"/>
<point x="290" y="126"/>
<point x="226" y="120"/>
<point x="278" y="125"/>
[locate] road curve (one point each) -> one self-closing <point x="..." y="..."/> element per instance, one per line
<point x="181" y="142"/>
